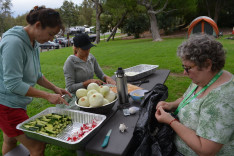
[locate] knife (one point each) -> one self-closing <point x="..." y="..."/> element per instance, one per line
<point x="106" y="140"/>
<point x="139" y="82"/>
<point x="109" y="85"/>
<point x="67" y="98"/>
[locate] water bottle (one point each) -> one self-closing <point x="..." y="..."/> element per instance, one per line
<point x="122" y="89"/>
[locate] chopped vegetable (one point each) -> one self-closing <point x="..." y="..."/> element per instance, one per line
<point x="82" y="131"/>
<point x="50" y="124"/>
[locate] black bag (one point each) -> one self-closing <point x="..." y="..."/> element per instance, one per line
<point x="151" y="138"/>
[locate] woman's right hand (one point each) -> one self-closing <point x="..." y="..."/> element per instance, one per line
<point x="56" y="99"/>
<point x="162" y="116"/>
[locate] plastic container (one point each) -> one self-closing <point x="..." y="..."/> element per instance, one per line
<point x="138" y="95"/>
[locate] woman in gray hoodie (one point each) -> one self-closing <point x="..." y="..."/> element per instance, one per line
<point x="20" y="71"/>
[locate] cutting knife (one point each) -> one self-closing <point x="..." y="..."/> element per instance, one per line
<point x="109" y="85"/>
<point x="106" y="140"/>
<point x="139" y="82"/>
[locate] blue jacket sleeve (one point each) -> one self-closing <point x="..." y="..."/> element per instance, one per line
<point x="13" y="62"/>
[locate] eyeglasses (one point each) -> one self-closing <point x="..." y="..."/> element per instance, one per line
<point x="187" y="68"/>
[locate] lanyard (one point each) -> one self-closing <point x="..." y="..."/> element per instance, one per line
<point x="187" y="100"/>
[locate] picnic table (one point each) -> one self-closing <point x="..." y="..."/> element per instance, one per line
<point x="119" y="142"/>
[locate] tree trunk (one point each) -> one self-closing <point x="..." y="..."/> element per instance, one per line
<point x="154" y="28"/>
<point x="217" y="10"/>
<point x="98" y="14"/>
<point x="117" y="25"/>
<point x="153" y="20"/>
<point x="113" y="36"/>
<point x="208" y="8"/>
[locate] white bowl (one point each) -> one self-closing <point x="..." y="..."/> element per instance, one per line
<point x="138" y="95"/>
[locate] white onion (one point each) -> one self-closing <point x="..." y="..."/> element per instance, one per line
<point x="81" y="92"/>
<point x="83" y="101"/>
<point x="96" y="100"/>
<point x="93" y="86"/>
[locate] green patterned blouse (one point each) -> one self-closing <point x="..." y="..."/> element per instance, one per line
<point x="211" y="117"/>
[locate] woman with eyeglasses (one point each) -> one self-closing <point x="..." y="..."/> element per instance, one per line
<point x="20" y="71"/>
<point x="205" y="124"/>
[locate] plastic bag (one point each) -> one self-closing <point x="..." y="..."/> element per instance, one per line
<point x="151" y="137"/>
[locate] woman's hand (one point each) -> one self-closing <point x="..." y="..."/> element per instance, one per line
<point x="97" y="81"/>
<point x="110" y="80"/>
<point x="169" y="106"/>
<point x="164" y="105"/>
<point x="61" y="91"/>
<point x="163" y="116"/>
<point x="52" y="98"/>
<point x="56" y="99"/>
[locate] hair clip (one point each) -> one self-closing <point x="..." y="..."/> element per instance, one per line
<point x="38" y="8"/>
<point x="35" y="8"/>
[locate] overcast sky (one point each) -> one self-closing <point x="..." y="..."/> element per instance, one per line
<point x="22" y="6"/>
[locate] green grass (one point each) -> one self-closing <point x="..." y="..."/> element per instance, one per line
<point x="124" y="53"/>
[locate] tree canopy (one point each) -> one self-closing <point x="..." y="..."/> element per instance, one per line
<point x="127" y="15"/>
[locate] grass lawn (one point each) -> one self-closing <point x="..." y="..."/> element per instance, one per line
<point x="121" y="53"/>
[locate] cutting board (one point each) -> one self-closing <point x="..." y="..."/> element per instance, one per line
<point x="130" y="88"/>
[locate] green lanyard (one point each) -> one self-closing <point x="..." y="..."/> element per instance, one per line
<point x="187" y="100"/>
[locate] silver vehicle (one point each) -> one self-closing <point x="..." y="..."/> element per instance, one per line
<point x="49" y="45"/>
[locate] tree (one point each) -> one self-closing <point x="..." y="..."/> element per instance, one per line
<point x="6" y="7"/>
<point x="213" y="7"/>
<point x="20" y="20"/>
<point x="69" y="13"/>
<point x="153" y="7"/>
<point x="226" y="15"/>
<point x="5" y="15"/>
<point x="99" y="10"/>
<point x="118" y="10"/>
<point x="136" y="24"/>
<point x="86" y="12"/>
<point x="177" y="15"/>
<point x="117" y="25"/>
<point x="107" y="23"/>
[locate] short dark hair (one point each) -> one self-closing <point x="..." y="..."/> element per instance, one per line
<point x="48" y="17"/>
<point x="200" y="47"/>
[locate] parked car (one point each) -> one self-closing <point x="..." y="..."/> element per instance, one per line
<point x="92" y="37"/>
<point x="63" y="41"/>
<point x="49" y="45"/>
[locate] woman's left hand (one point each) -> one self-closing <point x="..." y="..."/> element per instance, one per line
<point x="163" y="116"/>
<point x="62" y="91"/>
<point x="110" y="80"/>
